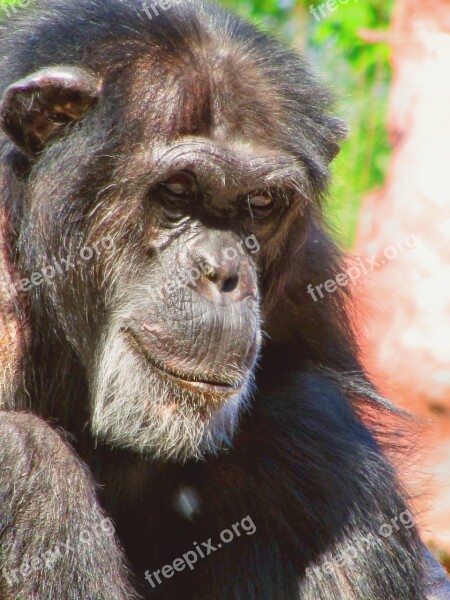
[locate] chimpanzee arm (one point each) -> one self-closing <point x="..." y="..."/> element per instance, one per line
<point x="55" y="542"/>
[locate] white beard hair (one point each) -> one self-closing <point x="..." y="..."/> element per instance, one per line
<point x="134" y="407"/>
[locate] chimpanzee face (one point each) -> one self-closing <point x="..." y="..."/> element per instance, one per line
<point x="194" y="200"/>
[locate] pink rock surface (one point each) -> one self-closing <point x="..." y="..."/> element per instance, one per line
<point x="406" y="300"/>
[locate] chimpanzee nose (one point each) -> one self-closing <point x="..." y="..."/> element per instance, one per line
<point x="225" y="272"/>
<point x="225" y="277"/>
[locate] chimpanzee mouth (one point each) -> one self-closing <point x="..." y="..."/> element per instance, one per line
<point x="193" y="382"/>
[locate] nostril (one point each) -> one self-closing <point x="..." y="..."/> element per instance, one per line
<point x="230" y="283"/>
<point x="224" y="278"/>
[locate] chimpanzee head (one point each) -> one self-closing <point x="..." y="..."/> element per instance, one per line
<point x="166" y="176"/>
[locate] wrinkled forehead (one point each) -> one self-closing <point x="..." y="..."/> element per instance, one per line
<point x="216" y="93"/>
<point x="218" y="117"/>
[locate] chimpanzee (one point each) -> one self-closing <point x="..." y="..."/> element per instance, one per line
<point x="183" y="421"/>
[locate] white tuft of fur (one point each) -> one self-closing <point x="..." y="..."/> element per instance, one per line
<point x="135" y="406"/>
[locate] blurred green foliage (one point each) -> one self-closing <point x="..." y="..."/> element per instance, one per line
<point x="357" y="71"/>
<point x="360" y="73"/>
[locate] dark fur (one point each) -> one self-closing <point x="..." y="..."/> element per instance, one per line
<point x="303" y="465"/>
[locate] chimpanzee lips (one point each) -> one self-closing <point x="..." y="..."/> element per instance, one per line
<point x="205" y="384"/>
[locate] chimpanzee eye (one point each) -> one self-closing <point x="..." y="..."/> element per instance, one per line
<point x="258" y="205"/>
<point x="177" y="194"/>
<point x="260" y="201"/>
<point x="181" y="184"/>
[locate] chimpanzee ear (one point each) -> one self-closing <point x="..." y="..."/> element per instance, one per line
<point x="37" y="107"/>
<point x="338" y="132"/>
